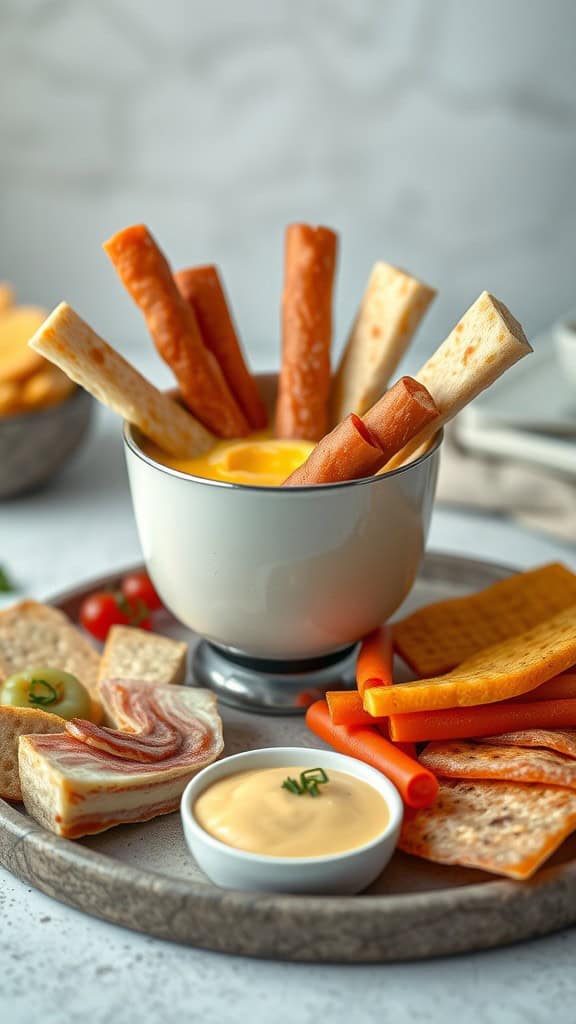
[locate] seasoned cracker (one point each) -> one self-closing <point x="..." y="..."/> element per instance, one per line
<point x="16" y="722"/>
<point x="462" y="759"/>
<point x="136" y="654"/>
<point x="506" y="828"/>
<point x="561" y="740"/>
<point x="436" y="638"/>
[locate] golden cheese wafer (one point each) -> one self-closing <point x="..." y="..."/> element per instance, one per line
<point x="495" y="673"/>
<point x="485" y="342"/>
<point x="71" y="344"/>
<point x="391" y="309"/>
<point x="462" y="759"/>
<point x="434" y="639"/>
<point x="506" y="828"/>
<point x="17" y="325"/>
<point x="7" y="296"/>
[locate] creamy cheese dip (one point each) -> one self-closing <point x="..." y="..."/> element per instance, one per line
<point x="251" y="811"/>
<point x="258" y="460"/>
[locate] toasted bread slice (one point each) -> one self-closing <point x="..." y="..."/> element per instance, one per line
<point x="135" y="654"/>
<point x="16" y="722"/>
<point x="36" y="634"/>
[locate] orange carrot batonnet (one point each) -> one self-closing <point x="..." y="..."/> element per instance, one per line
<point x="347" y="453"/>
<point x="146" y="275"/>
<point x="375" y="660"/>
<point x="304" y="384"/>
<point x="559" y="687"/>
<point x="402" y="412"/>
<point x="346" y="708"/>
<point x="482" y="720"/>
<point x="416" y="784"/>
<point x="203" y="290"/>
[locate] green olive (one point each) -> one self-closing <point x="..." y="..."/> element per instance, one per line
<point x="47" y="689"/>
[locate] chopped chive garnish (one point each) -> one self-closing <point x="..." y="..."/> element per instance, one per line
<point x="42" y="699"/>
<point x="309" y="782"/>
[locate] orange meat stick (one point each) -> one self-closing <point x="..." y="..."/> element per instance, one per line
<point x="416" y="784"/>
<point x="400" y="415"/>
<point x="304" y="385"/>
<point x="204" y="292"/>
<point x="146" y="275"/>
<point x="349" y="452"/>
<point x="484" y="720"/>
<point x="358" y="448"/>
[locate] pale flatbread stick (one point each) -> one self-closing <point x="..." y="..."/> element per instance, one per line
<point x="485" y="343"/>
<point x="66" y="340"/>
<point x="392" y="307"/>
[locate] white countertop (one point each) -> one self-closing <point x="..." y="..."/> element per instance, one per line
<point x="60" y="966"/>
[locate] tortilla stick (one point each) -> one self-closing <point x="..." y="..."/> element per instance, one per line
<point x="304" y="385"/>
<point x="390" y="312"/>
<point x="486" y="342"/>
<point x="403" y="411"/>
<point x="349" y="452"/>
<point x="146" y="275"/>
<point x="204" y="292"/>
<point x="66" y="340"/>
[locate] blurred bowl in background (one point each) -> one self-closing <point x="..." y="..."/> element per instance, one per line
<point x="35" y="445"/>
<point x="565" y="340"/>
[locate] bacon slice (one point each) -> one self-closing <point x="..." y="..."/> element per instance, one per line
<point x="89" y="779"/>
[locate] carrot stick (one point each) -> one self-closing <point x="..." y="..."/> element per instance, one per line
<point x="203" y="291"/>
<point x="145" y="273"/>
<point x="375" y="660"/>
<point x="304" y="385"/>
<point x="483" y="720"/>
<point x="417" y="786"/>
<point x="346" y="708"/>
<point x="400" y="414"/>
<point x="348" y="452"/>
<point x="559" y="688"/>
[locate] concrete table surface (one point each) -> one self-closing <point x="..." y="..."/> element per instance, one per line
<point x="60" y="966"/>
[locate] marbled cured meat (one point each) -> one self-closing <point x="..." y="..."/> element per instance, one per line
<point x="87" y="779"/>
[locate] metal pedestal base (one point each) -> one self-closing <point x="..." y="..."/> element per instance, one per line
<point x="272" y="687"/>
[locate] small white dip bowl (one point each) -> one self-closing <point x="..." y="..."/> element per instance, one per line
<point x="281" y="573"/>
<point x="340" y="873"/>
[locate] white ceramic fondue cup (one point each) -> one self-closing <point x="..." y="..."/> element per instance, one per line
<point x="281" y="573"/>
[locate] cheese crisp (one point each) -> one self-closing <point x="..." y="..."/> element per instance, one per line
<point x="461" y="759"/>
<point x="440" y="636"/>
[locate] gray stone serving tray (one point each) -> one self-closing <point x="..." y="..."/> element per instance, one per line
<point x="143" y="877"/>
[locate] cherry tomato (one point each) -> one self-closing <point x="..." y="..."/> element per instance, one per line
<point x="138" y="586"/>
<point x="100" y="611"/>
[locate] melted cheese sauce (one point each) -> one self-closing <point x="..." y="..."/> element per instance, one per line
<point x="259" y="460"/>
<point x="251" y="811"/>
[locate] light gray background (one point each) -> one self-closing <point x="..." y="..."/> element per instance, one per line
<point x="436" y="135"/>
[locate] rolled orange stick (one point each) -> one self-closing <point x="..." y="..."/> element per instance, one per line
<point x="416" y="784"/>
<point x="482" y="720"/>
<point x="346" y="708"/>
<point x="204" y="292"/>
<point x="560" y="687"/>
<point x="304" y="385"/>
<point x="400" y="415"/>
<point x="146" y="275"/>
<point x="375" y="660"/>
<point x="349" y="452"/>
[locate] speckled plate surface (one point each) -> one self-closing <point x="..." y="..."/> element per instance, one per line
<point x="143" y="877"/>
